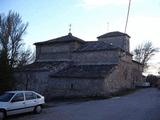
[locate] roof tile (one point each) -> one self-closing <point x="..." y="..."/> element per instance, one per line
<point x="84" y="71"/>
<point x="113" y="34"/>
<point x="67" y="38"/>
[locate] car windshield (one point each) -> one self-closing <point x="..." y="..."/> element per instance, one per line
<point x="6" y="97"/>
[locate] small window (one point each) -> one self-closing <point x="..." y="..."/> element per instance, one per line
<point x="30" y="96"/>
<point x="18" y="97"/>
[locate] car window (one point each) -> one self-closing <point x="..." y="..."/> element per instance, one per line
<point x="6" y="97"/>
<point x="30" y="95"/>
<point x="18" y="97"/>
<point x="38" y="96"/>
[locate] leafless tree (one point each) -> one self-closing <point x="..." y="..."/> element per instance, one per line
<point x="144" y="52"/>
<point x="25" y="57"/>
<point x="11" y="32"/>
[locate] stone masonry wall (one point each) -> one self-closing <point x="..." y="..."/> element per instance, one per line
<point x="62" y="56"/>
<point x="55" y="52"/>
<point x="137" y="73"/>
<point x="95" y="57"/>
<point x="123" y="77"/>
<point x="32" y="80"/>
<point x="42" y="83"/>
<point x="120" y="41"/>
<point x="75" y="87"/>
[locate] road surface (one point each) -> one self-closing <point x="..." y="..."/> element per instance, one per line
<point x="141" y="105"/>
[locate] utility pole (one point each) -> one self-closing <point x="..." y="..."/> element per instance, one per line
<point x="127" y="16"/>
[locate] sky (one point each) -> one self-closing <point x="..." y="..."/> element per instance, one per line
<point x="89" y="18"/>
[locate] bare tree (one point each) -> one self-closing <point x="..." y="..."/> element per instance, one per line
<point x="11" y="48"/>
<point x="11" y="32"/>
<point x="25" y="57"/>
<point x="144" y="52"/>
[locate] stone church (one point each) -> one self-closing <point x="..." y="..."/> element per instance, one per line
<point x="68" y="66"/>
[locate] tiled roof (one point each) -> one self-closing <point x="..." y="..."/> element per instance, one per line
<point x="96" y="45"/>
<point x="136" y="62"/>
<point x="84" y="71"/>
<point x="67" y="38"/>
<point x="41" y="65"/>
<point x="113" y="34"/>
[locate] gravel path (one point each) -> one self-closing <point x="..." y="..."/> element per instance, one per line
<point x="141" y="105"/>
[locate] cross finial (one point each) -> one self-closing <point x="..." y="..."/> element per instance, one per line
<point x="107" y="26"/>
<point x="70" y="28"/>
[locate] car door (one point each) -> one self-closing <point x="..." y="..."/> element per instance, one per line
<point x="17" y="104"/>
<point x="31" y="100"/>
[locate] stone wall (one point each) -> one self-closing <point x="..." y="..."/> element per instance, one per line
<point x="75" y="87"/>
<point x="122" y="76"/>
<point x="56" y="52"/>
<point x="119" y="41"/>
<point x="32" y="80"/>
<point x="42" y="83"/>
<point x="62" y="56"/>
<point x="126" y="57"/>
<point x="119" y="79"/>
<point x="137" y="73"/>
<point x="96" y="57"/>
<point x="126" y="75"/>
<point x="90" y="57"/>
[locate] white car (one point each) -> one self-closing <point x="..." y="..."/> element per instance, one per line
<point x="14" y="102"/>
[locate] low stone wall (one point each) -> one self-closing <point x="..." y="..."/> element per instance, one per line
<point x="42" y="83"/>
<point x="75" y="87"/>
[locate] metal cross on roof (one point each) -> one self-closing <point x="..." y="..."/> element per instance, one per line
<point x="70" y="28"/>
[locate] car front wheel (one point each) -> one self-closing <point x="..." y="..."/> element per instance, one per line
<point x="2" y="115"/>
<point x="38" y="109"/>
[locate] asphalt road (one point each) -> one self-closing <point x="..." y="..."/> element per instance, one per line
<point x="141" y="105"/>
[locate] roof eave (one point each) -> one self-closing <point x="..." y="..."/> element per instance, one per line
<point x="97" y="50"/>
<point x="54" y="42"/>
<point x="85" y="77"/>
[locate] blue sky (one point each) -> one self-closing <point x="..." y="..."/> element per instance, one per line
<point x="89" y="18"/>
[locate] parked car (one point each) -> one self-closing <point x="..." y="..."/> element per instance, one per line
<point x="15" y="102"/>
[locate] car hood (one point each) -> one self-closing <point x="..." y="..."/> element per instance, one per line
<point x="3" y="104"/>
